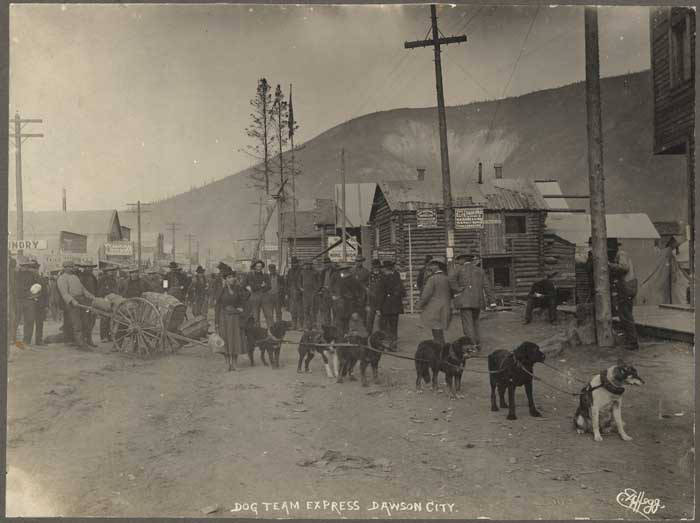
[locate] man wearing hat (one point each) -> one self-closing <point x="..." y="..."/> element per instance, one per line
<point x="177" y="286"/>
<point x="106" y="284"/>
<point x="135" y="286"/>
<point x="542" y="295"/>
<point x="273" y="299"/>
<point x="436" y="299"/>
<point x="469" y="286"/>
<point x="74" y="295"/>
<point x="423" y="273"/>
<point x="389" y="298"/>
<point x="348" y="297"/>
<point x="33" y="299"/>
<point x="198" y="292"/>
<point x="89" y="281"/>
<point x="293" y="291"/>
<point x="216" y="283"/>
<point x="258" y="284"/>
<point x="371" y="299"/>
<point x="327" y="281"/>
<point x="622" y="270"/>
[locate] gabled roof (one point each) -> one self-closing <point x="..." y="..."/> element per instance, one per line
<point x="306" y="225"/>
<point x="669" y="228"/>
<point x="53" y="222"/>
<point x="576" y="228"/>
<point x="501" y="194"/>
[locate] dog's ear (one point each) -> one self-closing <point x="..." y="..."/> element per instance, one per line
<point x="521" y="352"/>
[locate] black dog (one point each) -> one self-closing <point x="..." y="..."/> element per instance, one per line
<point x="510" y="370"/>
<point x="379" y="341"/>
<point x="311" y="342"/>
<point x="348" y="356"/>
<point x="268" y="342"/>
<point x="448" y="358"/>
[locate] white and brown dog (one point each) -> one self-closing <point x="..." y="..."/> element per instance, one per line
<point x="601" y="401"/>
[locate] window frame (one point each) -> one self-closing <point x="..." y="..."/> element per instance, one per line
<point x="520" y="216"/>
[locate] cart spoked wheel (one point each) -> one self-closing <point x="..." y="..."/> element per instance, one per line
<point x="137" y="327"/>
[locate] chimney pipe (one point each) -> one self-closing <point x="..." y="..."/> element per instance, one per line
<point x="64" y="200"/>
<point x="421" y="174"/>
<point x="481" y="167"/>
<point x="499" y="170"/>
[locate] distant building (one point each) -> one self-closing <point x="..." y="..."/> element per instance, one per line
<point x="635" y="232"/>
<point x="672" y="39"/>
<point x="501" y="220"/>
<point x="78" y="235"/>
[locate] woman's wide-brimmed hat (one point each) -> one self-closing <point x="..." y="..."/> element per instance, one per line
<point x="256" y="263"/>
<point x="173" y="265"/>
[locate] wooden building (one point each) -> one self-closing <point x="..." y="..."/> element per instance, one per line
<point x="501" y="220"/>
<point x="672" y="38"/>
<point x="560" y="257"/>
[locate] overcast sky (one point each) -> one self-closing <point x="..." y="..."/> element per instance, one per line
<point x="143" y="101"/>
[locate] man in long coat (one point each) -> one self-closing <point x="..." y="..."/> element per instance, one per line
<point x="258" y="285"/>
<point x="33" y="303"/>
<point x="469" y="284"/>
<point x="327" y="281"/>
<point x="106" y="284"/>
<point x="348" y="297"/>
<point x="371" y="299"/>
<point x="435" y="300"/>
<point x="293" y="292"/>
<point x="198" y="293"/>
<point x="308" y="287"/>
<point x="89" y="281"/>
<point x="275" y="296"/>
<point x="177" y="284"/>
<point x="389" y="298"/>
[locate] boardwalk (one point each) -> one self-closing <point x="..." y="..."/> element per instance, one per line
<point x="671" y="323"/>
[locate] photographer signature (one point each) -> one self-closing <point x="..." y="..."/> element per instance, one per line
<point x="637" y="502"/>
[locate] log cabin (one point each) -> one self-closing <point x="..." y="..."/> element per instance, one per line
<point x="500" y="220"/>
<point x="672" y="46"/>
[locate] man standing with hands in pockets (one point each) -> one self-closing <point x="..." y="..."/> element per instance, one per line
<point x="469" y="284"/>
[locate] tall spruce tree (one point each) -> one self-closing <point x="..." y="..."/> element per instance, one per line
<point x="261" y="131"/>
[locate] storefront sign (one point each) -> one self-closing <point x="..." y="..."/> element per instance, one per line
<point x="119" y="249"/>
<point x="426" y="218"/>
<point x="469" y="218"/>
<point x="20" y="245"/>
<point x="336" y="253"/>
<point x="72" y="242"/>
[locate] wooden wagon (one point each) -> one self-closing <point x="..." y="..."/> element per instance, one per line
<point x="148" y="325"/>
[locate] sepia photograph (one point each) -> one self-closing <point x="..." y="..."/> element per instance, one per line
<point x="387" y="261"/>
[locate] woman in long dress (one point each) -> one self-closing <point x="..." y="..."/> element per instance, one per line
<point x="230" y="308"/>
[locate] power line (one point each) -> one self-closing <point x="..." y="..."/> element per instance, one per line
<point x="512" y="74"/>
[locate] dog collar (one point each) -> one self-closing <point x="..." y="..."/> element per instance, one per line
<point x="609" y="386"/>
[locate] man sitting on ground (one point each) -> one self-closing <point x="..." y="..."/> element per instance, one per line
<point x="542" y="295"/>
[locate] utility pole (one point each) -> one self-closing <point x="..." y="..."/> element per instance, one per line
<point x="292" y="123"/>
<point x="189" y="237"/>
<point x="173" y="227"/>
<point x="435" y="43"/>
<point x="139" y="210"/>
<point x="19" y="138"/>
<point x="596" y="180"/>
<point x="64" y="204"/>
<point x="342" y="178"/>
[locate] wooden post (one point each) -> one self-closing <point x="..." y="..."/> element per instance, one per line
<point x="596" y="180"/>
<point x="690" y="169"/>
<point x="138" y="226"/>
<point x="410" y="267"/>
<point x="342" y="175"/>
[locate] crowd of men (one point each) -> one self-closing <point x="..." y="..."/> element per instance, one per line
<point x="330" y="294"/>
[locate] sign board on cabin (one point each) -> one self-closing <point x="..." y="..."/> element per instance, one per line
<point x="119" y="249"/>
<point x="469" y="218"/>
<point x="426" y="218"/>
<point x="336" y="253"/>
<point x="72" y="242"/>
<point x="28" y="245"/>
<point x="389" y="254"/>
<point x="55" y="261"/>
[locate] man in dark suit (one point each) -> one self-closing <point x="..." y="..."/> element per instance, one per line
<point x="308" y="287"/>
<point x="327" y="281"/>
<point x="470" y="287"/>
<point x="275" y="296"/>
<point x="293" y="292"/>
<point x="389" y="299"/>
<point x="106" y="284"/>
<point x="542" y="295"/>
<point x="258" y="284"/>
<point x="371" y="299"/>
<point x="33" y="298"/>
<point x="348" y="297"/>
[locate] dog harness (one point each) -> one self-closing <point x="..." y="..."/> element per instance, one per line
<point x="587" y="391"/>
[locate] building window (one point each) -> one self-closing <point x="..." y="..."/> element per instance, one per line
<point x="376" y="237"/>
<point x="499" y="271"/>
<point x="516" y="225"/>
<point x="392" y="231"/>
<point x="679" y="50"/>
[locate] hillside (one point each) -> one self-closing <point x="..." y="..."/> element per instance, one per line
<point x="538" y="135"/>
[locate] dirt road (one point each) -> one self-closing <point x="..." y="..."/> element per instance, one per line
<point x="102" y="434"/>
